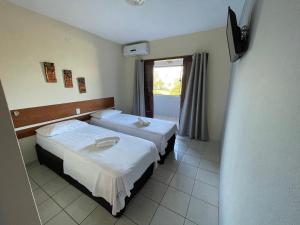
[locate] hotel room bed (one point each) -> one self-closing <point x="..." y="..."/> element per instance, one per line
<point x="112" y="175"/>
<point x="162" y="133"/>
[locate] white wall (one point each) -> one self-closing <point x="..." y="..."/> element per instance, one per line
<point x="16" y="205"/>
<point x="215" y="43"/>
<point x="27" y="39"/>
<point x="260" y="172"/>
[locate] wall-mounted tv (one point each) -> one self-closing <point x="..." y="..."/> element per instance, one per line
<point x="237" y="41"/>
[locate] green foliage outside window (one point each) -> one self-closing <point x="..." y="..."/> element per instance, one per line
<point x="167" y="82"/>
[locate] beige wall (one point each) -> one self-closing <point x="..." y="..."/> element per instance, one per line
<point x="215" y="43"/>
<point x="260" y="172"/>
<point x="27" y="39"/>
<point x="17" y="205"/>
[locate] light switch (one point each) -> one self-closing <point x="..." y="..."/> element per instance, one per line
<point x="77" y="111"/>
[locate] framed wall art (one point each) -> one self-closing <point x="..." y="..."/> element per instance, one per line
<point x="81" y="84"/>
<point x="50" y="75"/>
<point x="68" y="78"/>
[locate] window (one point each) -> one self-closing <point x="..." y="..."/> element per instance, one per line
<point x="167" y="75"/>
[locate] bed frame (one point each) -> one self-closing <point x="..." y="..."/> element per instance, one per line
<point x="56" y="164"/>
<point x="169" y="148"/>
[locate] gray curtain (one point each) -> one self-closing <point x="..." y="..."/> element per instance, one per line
<point x="139" y="95"/>
<point x="193" y="118"/>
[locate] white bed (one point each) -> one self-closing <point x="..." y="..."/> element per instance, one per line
<point x="159" y="131"/>
<point x="109" y="173"/>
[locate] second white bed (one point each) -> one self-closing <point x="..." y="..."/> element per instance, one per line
<point x="159" y="131"/>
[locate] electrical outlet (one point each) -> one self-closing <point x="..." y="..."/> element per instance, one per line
<point x="77" y="111"/>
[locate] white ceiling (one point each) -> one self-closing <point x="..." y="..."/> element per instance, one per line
<point x="120" y="22"/>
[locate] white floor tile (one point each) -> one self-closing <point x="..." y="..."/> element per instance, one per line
<point x="33" y="164"/>
<point x="175" y="155"/>
<point x="183" y="138"/>
<point x="192" y="160"/>
<point x="99" y="216"/>
<point x="33" y="185"/>
<point x="154" y="190"/>
<point x="208" y="177"/>
<point x="170" y="164"/>
<point x="40" y="196"/>
<point x="176" y="201"/>
<point x="193" y="153"/>
<point x="141" y="210"/>
<point x="198" y="146"/>
<point x="181" y="146"/>
<point x="67" y="196"/>
<point x="214" y="157"/>
<point x="125" y="221"/>
<point x="187" y="170"/>
<point x="48" y="210"/>
<point x="212" y="152"/>
<point x="164" y="216"/>
<point x="61" y="219"/>
<point x="41" y="175"/>
<point x="182" y="183"/>
<point x="81" y="208"/>
<point x="187" y="222"/>
<point x="209" y="165"/>
<point x="55" y="186"/>
<point x="162" y="175"/>
<point x="202" y="213"/>
<point x="206" y="193"/>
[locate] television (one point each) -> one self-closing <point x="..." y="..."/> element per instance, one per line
<point x="236" y="38"/>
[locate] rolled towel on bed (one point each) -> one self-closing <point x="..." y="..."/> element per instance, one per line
<point x="142" y="123"/>
<point x="106" y="142"/>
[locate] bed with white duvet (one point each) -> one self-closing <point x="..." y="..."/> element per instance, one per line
<point x="107" y="172"/>
<point x="157" y="131"/>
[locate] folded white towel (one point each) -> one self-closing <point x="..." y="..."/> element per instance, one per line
<point x="142" y="123"/>
<point x="106" y="142"/>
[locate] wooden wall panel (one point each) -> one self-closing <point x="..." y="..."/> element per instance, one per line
<point x="29" y="116"/>
<point x="35" y="115"/>
<point x="31" y="131"/>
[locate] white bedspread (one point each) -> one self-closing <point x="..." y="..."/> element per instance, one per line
<point x="108" y="173"/>
<point x="158" y="132"/>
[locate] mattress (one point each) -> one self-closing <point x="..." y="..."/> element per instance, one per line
<point x="109" y="173"/>
<point x="158" y="132"/>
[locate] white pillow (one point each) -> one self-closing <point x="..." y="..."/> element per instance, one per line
<point x="105" y="113"/>
<point x="60" y="127"/>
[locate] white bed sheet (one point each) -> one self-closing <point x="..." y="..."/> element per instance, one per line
<point x="158" y="132"/>
<point x="108" y="173"/>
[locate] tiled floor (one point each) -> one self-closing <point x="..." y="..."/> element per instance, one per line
<point x="183" y="191"/>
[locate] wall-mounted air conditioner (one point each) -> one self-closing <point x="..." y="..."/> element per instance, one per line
<point x="136" y="49"/>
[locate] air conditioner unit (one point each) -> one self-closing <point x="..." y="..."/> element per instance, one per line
<point x="136" y="49"/>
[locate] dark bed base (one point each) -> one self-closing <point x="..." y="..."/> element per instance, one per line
<point x="169" y="148"/>
<point x="56" y="164"/>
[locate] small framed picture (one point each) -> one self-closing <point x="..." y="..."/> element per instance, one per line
<point x="81" y="84"/>
<point x="50" y="75"/>
<point x="68" y="78"/>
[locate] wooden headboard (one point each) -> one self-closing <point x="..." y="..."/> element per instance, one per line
<point x="36" y="115"/>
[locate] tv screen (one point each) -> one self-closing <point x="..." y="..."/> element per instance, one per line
<point x="233" y="36"/>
